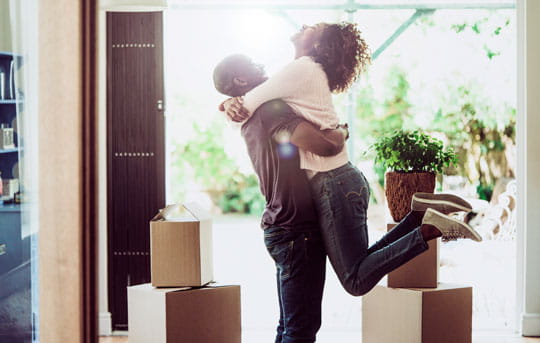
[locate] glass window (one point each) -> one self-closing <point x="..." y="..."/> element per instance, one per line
<point x="19" y="172"/>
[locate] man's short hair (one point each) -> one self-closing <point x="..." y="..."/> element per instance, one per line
<point x="225" y="72"/>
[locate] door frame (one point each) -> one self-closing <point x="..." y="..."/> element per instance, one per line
<point x="67" y="171"/>
<point x="525" y="209"/>
<point x="89" y="263"/>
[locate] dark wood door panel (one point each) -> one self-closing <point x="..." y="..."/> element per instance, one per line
<point x="135" y="149"/>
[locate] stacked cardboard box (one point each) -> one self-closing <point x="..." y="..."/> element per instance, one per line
<point x="181" y="247"/>
<point x="179" y="305"/>
<point x="420" y="272"/>
<point x="181" y="315"/>
<point x="416" y="307"/>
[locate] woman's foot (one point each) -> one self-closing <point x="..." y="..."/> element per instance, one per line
<point x="450" y="228"/>
<point x="444" y="203"/>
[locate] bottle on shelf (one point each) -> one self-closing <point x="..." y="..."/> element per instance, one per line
<point x="6" y="137"/>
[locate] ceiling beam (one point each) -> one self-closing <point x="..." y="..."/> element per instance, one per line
<point x="348" y="6"/>
<point x="400" y="30"/>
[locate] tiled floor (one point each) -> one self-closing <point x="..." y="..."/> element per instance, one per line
<point x="342" y="338"/>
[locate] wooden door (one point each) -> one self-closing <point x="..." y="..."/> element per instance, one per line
<point x="135" y="149"/>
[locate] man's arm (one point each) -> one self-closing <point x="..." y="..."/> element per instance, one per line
<point x="279" y="117"/>
<point x="320" y="142"/>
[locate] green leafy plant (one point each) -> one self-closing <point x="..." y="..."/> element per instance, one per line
<point x="413" y="151"/>
<point x="484" y="136"/>
<point x="203" y="160"/>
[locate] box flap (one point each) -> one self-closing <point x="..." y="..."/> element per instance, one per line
<point x="176" y="212"/>
<point x="442" y="286"/>
<point x="147" y="287"/>
<point x="211" y="285"/>
<point x="197" y="211"/>
<point x="215" y="284"/>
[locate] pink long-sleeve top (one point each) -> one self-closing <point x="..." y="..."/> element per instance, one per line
<point x="303" y="85"/>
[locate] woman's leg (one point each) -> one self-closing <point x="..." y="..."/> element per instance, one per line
<point x="411" y="221"/>
<point x="342" y="197"/>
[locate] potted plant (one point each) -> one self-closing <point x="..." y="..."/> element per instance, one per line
<point x="412" y="160"/>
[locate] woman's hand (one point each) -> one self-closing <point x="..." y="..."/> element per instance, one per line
<point x="235" y="109"/>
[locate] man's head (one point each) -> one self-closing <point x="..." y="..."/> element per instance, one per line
<point x="236" y="74"/>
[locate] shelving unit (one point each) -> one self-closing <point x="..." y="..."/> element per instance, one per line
<point x="8" y="113"/>
<point x="11" y="244"/>
<point x="7" y="151"/>
<point x="10" y="102"/>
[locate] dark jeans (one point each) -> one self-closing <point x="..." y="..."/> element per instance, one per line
<point x="341" y="196"/>
<point x="301" y="265"/>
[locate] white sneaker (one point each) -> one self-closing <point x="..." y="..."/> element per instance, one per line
<point x="450" y="228"/>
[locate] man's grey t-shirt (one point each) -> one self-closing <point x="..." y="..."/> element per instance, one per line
<point x="284" y="185"/>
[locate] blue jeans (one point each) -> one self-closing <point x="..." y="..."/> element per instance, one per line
<point x="341" y="196"/>
<point x="301" y="266"/>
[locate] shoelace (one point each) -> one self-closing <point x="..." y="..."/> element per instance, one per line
<point x="452" y="235"/>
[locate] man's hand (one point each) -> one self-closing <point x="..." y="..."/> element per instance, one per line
<point x="234" y="109"/>
<point x="345" y="129"/>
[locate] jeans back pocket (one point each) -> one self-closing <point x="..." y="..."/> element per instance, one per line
<point x="280" y="246"/>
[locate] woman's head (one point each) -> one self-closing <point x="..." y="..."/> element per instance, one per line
<point x="339" y="48"/>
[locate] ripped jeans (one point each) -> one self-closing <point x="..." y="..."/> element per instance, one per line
<point x="341" y="196"/>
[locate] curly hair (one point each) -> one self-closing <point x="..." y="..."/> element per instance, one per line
<point x="343" y="54"/>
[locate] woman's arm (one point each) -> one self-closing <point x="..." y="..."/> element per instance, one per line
<point x="285" y="83"/>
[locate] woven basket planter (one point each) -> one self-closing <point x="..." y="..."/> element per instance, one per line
<point x="400" y="187"/>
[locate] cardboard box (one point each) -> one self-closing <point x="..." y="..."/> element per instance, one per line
<point x="181" y="247"/>
<point x="421" y="272"/>
<point x="415" y="315"/>
<point x="184" y="315"/>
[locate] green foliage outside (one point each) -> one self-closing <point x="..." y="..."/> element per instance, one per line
<point x="204" y="160"/>
<point x="413" y="151"/>
<point x="479" y="136"/>
<point x="482" y="135"/>
<point x="484" y="26"/>
<point x="375" y="118"/>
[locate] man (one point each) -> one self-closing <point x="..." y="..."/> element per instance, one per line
<point x="273" y="135"/>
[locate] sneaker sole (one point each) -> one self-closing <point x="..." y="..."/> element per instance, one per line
<point x="441" y="202"/>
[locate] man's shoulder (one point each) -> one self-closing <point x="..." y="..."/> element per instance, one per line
<point x="272" y="116"/>
<point x="275" y="113"/>
<point x="276" y="106"/>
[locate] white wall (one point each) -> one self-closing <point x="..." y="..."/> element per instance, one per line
<point x="529" y="162"/>
<point x="5" y="26"/>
